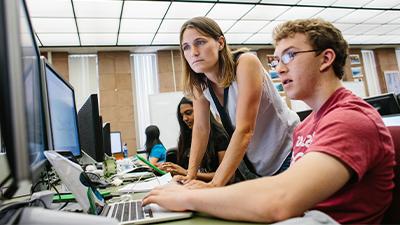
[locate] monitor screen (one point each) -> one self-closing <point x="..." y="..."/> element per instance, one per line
<point x="90" y="129"/>
<point x="116" y="143"/>
<point x="62" y="113"/>
<point x="21" y="100"/>
<point x="107" y="139"/>
<point x="385" y="104"/>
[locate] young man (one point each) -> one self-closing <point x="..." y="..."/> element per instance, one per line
<point x="343" y="155"/>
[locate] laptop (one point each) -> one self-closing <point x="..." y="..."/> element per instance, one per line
<point x="91" y="201"/>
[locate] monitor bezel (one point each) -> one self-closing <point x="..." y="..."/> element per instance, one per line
<point x="45" y="65"/>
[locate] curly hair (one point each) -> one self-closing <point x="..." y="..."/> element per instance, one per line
<point x="321" y="34"/>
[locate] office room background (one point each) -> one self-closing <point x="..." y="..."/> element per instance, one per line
<point x="127" y="50"/>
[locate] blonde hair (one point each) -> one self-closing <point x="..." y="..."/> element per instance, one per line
<point x="192" y="80"/>
<point x="321" y="34"/>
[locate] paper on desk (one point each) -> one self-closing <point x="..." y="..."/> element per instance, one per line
<point x="144" y="186"/>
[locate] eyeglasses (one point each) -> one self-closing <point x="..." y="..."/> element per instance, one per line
<point x="288" y="57"/>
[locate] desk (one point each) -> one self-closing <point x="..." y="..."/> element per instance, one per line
<point x="391" y="120"/>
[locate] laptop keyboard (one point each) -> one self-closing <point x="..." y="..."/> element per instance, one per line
<point x="128" y="211"/>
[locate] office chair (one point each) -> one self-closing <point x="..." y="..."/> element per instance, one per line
<point x="392" y="215"/>
<point x="172" y="155"/>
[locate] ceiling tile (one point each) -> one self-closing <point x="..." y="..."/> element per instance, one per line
<point x="247" y="26"/>
<point x="237" y="38"/>
<point x="229" y="11"/>
<point x="395" y="32"/>
<point x="97" y="8"/>
<point x="383" y="29"/>
<point x="98" y="25"/>
<point x="59" y="39"/>
<point x="360" y="29"/>
<point x="343" y="26"/>
<point x="145" y="9"/>
<point x="265" y="12"/>
<point x="225" y="24"/>
<point x="98" y="39"/>
<point x="291" y="2"/>
<point x="270" y="27"/>
<point x="186" y="10"/>
<point x="166" y="39"/>
<point x="171" y="26"/>
<point x="260" y="39"/>
<point x="246" y="1"/>
<point x="359" y="16"/>
<point x="299" y="13"/>
<point x="332" y="14"/>
<point x="50" y="8"/>
<point x="351" y="3"/>
<point x="135" y="39"/>
<point x="316" y="2"/>
<point x="139" y="25"/>
<point x="54" y="25"/>
<point x="382" y="4"/>
<point x="384" y="17"/>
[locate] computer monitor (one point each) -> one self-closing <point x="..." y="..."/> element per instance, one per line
<point x="90" y="129"/>
<point x="116" y="143"/>
<point x="21" y="113"/>
<point x="63" y="129"/>
<point x="107" y="139"/>
<point x="303" y="114"/>
<point x="386" y="104"/>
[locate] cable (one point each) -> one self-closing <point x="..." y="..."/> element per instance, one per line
<point x="5" y="180"/>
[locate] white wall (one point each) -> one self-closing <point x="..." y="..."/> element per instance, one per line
<point x="163" y="108"/>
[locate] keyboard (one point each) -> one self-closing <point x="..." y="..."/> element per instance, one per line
<point x="128" y="211"/>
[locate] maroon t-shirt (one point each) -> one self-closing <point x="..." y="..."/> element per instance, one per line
<point x="349" y="129"/>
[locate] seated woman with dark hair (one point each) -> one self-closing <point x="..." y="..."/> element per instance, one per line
<point x="156" y="152"/>
<point x="217" y="144"/>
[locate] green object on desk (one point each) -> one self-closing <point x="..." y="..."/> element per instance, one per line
<point x="68" y="197"/>
<point x="151" y="165"/>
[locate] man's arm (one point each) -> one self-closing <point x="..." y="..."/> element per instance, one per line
<point x="309" y="181"/>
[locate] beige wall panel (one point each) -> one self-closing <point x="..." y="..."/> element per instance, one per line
<point x="385" y="61"/>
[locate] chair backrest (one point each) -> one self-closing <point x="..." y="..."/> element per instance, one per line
<point x="392" y="216"/>
<point x="172" y="155"/>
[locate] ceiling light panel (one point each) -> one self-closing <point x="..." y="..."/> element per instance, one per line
<point x="260" y="39"/>
<point x="360" y="28"/>
<point x="50" y="8"/>
<point x="384" y="17"/>
<point x="332" y="14"/>
<point x="247" y="26"/>
<point x="145" y="9"/>
<point x="98" y="39"/>
<point x="386" y="4"/>
<point x="290" y="2"/>
<point x="166" y="39"/>
<point x="135" y="39"/>
<point x="299" y="13"/>
<point x="97" y="8"/>
<point x="139" y="25"/>
<point x="229" y="11"/>
<point x="270" y="27"/>
<point x="350" y="3"/>
<point x="359" y="16"/>
<point x="59" y="39"/>
<point x="383" y="29"/>
<point x="171" y="26"/>
<point x="225" y="24"/>
<point x="316" y="2"/>
<point x="98" y="25"/>
<point x="54" y="25"/>
<point x="265" y="12"/>
<point x="237" y="38"/>
<point x="186" y="10"/>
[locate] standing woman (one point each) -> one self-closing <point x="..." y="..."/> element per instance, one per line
<point x="217" y="144"/>
<point x="156" y="152"/>
<point x="258" y="121"/>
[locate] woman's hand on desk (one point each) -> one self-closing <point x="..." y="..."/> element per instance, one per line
<point x="173" y="168"/>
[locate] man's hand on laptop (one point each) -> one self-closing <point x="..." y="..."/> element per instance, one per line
<point x="171" y="196"/>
